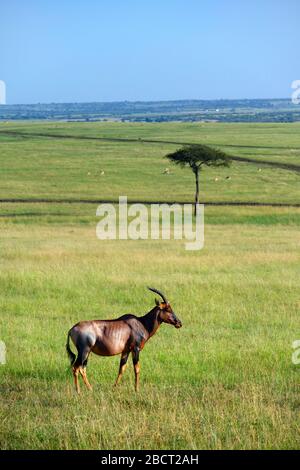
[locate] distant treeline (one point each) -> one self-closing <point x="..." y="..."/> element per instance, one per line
<point x="259" y="110"/>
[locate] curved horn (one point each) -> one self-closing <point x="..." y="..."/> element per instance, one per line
<point x="159" y="293"/>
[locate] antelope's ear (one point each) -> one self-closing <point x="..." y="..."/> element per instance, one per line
<point x="157" y="302"/>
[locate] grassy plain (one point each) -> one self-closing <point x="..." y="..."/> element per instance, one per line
<point x="226" y="379"/>
<point x="39" y="167"/>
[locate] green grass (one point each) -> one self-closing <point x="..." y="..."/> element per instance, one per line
<point x="226" y="379"/>
<point x="85" y="214"/>
<point x="279" y="142"/>
<point x="36" y="167"/>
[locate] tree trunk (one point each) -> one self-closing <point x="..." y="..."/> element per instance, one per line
<point x="197" y="191"/>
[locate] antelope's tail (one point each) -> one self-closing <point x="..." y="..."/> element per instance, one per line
<point x="71" y="355"/>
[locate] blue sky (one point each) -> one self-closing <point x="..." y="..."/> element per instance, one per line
<point x="115" y="50"/>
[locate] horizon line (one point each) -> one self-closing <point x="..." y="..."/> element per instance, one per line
<point x="146" y="101"/>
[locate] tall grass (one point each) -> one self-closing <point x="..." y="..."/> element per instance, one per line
<point x="225" y="380"/>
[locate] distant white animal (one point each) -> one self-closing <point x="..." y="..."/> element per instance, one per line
<point x="102" y="172"/>
<point x="166" y="171"/>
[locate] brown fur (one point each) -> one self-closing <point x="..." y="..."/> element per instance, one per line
<point x="125" y="335"/>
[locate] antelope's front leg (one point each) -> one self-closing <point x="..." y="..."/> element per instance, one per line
<point x="123" y="364"/>
<point x="136" y="365"/>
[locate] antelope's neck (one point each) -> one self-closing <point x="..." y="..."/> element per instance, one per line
<point x="150" y="321"/>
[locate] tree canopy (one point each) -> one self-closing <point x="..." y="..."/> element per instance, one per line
<point x="197" y="155"/>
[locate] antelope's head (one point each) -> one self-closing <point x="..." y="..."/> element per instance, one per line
<point x="166" y="314"/>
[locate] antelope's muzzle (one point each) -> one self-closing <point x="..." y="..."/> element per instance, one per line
<point x="177" y="323"/>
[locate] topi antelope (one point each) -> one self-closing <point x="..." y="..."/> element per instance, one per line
<point x="124" y="335"/>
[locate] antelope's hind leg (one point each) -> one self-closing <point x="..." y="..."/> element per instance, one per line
<point x="123" y="365"/>
<point x="80" y="367"/>
<point x="136" y="365"/>
<point x="75" y="375"/>
<point x="82" y="371"/>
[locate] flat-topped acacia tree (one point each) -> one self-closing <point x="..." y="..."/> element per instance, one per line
<point x="195" y="156"/>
